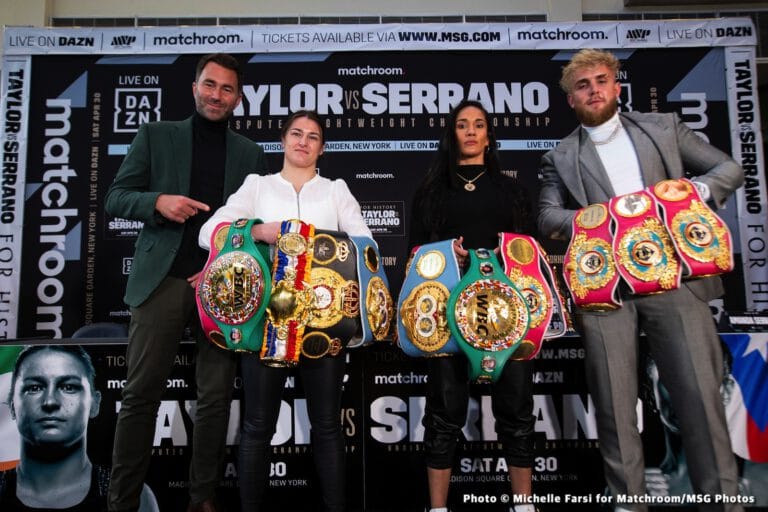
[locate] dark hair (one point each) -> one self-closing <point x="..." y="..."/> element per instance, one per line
<point x="224" y="60"/>
<point x="76" y="351"/>
<point x="309" y="114"/>
<point x="431" y="192"/>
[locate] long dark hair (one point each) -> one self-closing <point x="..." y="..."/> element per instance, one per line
<point x="434" y="186"/>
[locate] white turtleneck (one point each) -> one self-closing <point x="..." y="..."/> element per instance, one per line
<point x="617" y="153"/>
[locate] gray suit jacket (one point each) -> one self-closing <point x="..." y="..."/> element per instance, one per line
<point x="160" y="162"/>
<point x="574" y="176"/>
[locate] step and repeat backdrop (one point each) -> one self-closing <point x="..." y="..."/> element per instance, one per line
<point x="73" y="99"/>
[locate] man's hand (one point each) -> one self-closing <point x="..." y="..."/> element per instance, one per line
<point x="192" y="280"/>
<point x="461" y="252"/>
<point x="178" y="208"/>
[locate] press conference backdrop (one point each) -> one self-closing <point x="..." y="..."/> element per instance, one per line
<point x="73" y="99"/>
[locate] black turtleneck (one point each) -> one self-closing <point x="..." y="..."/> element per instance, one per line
<point x="209" y="154"/>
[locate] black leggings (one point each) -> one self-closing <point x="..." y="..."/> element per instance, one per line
<point x="446" y="410"/>
<point x="322" y="381"/>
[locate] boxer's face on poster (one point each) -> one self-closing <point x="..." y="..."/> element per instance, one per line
<point x="52" y="399"/>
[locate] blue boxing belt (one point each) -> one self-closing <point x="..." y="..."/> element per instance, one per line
<point x="422" y="326"/>
<point x="376" y="307"/>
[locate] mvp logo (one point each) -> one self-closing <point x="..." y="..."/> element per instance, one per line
<point x="123" y="41"/>
<point x="638" y="33"/>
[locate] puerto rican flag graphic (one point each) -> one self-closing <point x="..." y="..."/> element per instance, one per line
<point x="747" y="408"/>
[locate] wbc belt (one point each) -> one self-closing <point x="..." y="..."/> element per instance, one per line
<point x="702" y="239"/>
<point x="333" y="278"/>
<point x="590" y="270"/>
<point x="422" y="326"/>
<point x="376" y="309"/>
<point x="644" y="252"/>
<point x="293" y="300"/>
<point x="487" y="315"/>
<point x="233" y="288"/>
<point x="526" y="266"/>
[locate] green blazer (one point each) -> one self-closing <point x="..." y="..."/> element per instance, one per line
<point x="159" y="161"/>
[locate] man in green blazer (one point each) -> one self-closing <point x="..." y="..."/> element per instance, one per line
<point x="174" y="176"/>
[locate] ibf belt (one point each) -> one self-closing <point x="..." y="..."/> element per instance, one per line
<point x="590" y="270"/>
<point x="526" y="266"/>
<point x="701" y="238"/>
<point x="645" y="254"/>
<point x="233" y="288"/>
<point x="487" y="315"/>
<point x="422" y="323"/>
<point x="292" y="302"/>
<point x="333" y="277"/>
<point x="376" y="308"/>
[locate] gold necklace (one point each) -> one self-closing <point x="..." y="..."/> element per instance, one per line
<point x="469" y="185"/>
<point x="610" y="138"/>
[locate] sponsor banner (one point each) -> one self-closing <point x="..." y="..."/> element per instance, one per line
<point x="746" y="140"/>
<point x="16" y="78"/>
<point x="379" y="37"/>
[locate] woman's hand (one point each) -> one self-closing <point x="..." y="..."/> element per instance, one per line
<point x="460" y="252"/>
<point x="266" y="232"/>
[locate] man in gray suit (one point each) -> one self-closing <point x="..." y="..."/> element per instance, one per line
<point x="174" y="176"/>
<point x="612" y="154"/>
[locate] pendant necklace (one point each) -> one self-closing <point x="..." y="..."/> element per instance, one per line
<point x="469" y="185"/>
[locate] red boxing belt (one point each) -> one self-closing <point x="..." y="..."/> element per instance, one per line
<point x="526" y="266"/>
<point x="218" y="239"/>
<point x="590" y="270"/>
<point x="645" y="254"/>
<point x="701" y="238"/>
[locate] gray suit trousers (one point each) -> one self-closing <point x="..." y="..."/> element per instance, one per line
<point x="683" y="342"/>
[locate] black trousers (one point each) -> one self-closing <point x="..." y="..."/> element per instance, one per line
<point x="263" y="387"/>
<point x="446" y="410"/>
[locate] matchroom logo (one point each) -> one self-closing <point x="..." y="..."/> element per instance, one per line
<point x="134" y="107"/>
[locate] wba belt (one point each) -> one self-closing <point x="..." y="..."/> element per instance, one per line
<point x="422" y="325"/>
<point x="232" y="291"/>
<point x="645" y="255"/>
<point x="701" y="238"/>
<point x="336" y="313"/>
<point x="377" y="309"/>
<point x="590" y="270"/>
<point x="526" y="266"/>
<point x="487" y="315"/>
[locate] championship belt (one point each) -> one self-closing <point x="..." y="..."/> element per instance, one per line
<point x="487" y="315"/>
<point x="644" y="251"/>
<point x="233" y="287"/>
<point x="333" y="278"/>
<point x="526" y="265"/>
<point x="701" y="238"/>
<point x="589" y="269"/>
<point x="376" y="308"/>
<point x="292" y="303"/>
<point x="422" y="325"/>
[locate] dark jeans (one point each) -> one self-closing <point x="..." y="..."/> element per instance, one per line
<point x="154" y="334"/>
<point x="322" y="381"/>
<point x="446" y="410"/>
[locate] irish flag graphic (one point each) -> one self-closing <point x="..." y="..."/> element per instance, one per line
<point x="9" y="435"/>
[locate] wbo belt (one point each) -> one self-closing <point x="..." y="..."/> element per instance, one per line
<point x="487" y="315"/>
<point x="526" y="265"/>
<point x="590" y="269"/>
<point x="701" y="238"/>
<point x="377" y="308"/>
<point x="645" y="255"/>
<point x="233" y="288"/>
<point x="422" y="326"/>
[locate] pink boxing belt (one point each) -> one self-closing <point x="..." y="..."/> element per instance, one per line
<point x="701" y="238"/>
<point x="526" y="266"/>
<point x="218" y="239"/>
<point x="645" y="254"/>
<point x="589" y="269"/>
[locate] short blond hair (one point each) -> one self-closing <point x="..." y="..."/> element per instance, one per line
<point x="587" y="58"/>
